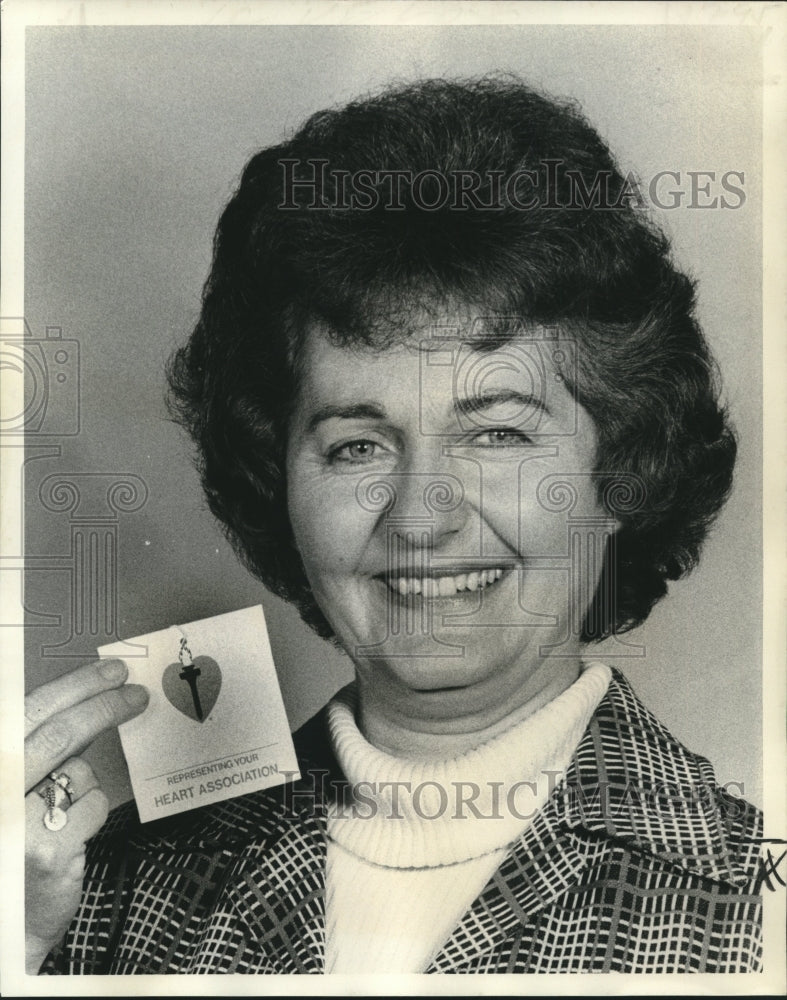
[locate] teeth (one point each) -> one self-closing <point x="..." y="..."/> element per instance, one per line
<point x="445" y="586"/>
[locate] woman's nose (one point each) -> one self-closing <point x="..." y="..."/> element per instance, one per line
<point x="426" y="507"/>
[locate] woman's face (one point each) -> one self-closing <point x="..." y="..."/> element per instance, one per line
<point x="425" y="499"/>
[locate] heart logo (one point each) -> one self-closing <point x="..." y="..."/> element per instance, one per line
<point x="193" y="689"/>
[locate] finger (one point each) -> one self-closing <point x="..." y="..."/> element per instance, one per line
<point x="87" y="816"/>
<point x="73" y="687"/>
<point x="49" y="852"/>
<point x="70" y="731"/>
<point x="80" y="776"/>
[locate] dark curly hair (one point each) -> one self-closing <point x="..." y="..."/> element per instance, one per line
<point x="566" y="245"/>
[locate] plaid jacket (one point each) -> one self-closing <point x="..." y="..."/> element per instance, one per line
<point x="639" y="862"/>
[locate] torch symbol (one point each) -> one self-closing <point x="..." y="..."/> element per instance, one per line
<point x="190" y="673"/>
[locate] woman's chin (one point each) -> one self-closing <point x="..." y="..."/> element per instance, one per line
<point x="440" y="681"/>
<point x="441" y="650"/>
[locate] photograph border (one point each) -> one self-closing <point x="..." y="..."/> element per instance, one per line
<point x="20" y="14"/>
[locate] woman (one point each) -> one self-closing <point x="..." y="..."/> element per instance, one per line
<point x="451" y="400"/>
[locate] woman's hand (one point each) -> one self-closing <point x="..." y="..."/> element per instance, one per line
<point x="61" y="719"/>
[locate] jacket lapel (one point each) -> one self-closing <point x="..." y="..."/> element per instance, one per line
<point x="278" y="892"/>
<point x="629" y="781"/>
<point x="539" y="868"/>
<point x="278" y="897"/>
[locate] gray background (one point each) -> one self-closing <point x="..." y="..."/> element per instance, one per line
<point x="134" y="140"/>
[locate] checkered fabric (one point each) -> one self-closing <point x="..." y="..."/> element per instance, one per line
<point x="639" y="862"/>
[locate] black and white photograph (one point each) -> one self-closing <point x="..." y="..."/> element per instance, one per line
<point x="393" y="476"/>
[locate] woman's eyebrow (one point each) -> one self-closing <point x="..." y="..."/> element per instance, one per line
<point x="495" y="397"/>
<point x="350" y="411"/>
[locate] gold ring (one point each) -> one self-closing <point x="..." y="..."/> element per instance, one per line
<point x="54" y="794"/>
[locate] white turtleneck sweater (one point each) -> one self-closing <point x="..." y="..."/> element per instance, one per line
<point x="419" y="840"/>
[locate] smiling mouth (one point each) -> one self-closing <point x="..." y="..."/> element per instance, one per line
<point x="434" y="586"/>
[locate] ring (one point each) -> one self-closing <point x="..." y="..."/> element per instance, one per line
<point x="62" y="780"/>
<point x="54" y="794"/>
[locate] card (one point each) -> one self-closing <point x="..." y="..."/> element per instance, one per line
<point x="215" y="726"/>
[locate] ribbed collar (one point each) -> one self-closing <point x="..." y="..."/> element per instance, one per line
<point x="402" y="813"/>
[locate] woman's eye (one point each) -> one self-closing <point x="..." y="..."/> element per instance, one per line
<point x="503" y="437"/>
<point x="355" y="452"/>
